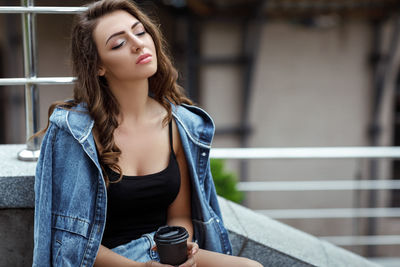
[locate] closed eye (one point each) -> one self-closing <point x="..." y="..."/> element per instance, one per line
<point x="140" y="33"/>
<point x="119" y="45"/>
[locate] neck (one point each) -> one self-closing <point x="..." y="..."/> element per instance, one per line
<point x="133" y="99"/>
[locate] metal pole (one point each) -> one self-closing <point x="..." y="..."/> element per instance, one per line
<point x="31" y="153"/>
<point x="192" y="58"/>
<point x="250" y="48"/>
<point x="41" y="9"/>
<point x="382" y="71"/>
<point x="41" y="80"/>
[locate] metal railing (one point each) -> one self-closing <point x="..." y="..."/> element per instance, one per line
<point x="322" y="185"/>
<point x="27" y="7"/>
<point x="34" y="80"/>
<point x="307" y="153"/>
<point x="28" y="12"/>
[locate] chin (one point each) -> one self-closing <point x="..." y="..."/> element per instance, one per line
<point x="144" y="73"/>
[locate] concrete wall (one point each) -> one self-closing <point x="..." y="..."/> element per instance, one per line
<point x="16" y="233"/>
<point x="311" y="88"/>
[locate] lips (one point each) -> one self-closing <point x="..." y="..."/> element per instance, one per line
<point x="143" y="59"/>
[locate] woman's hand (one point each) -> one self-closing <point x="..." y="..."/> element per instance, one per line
<point x="156" y="264"/>
<point x="193" y="248"/>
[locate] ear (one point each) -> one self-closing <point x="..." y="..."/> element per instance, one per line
<point x="101" y="71"/>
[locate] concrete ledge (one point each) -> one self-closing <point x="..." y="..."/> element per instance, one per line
<point x="275" y="244"/>
<point x="253" y="235"/>
<point x="16" y="179"/>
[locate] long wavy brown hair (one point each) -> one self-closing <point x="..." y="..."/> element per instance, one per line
<point x="94" y="90"/>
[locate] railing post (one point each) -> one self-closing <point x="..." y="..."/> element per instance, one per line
<point x="31" y="153"/>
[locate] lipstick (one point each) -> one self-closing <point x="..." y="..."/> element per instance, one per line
<point x="143" y="59"/>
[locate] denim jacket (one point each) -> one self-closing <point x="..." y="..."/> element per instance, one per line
<point x="71" y="197"/>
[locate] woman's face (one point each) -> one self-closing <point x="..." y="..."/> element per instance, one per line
<point x="126" y="50"/>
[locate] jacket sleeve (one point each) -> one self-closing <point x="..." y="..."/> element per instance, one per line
<point x="43" y="201"/>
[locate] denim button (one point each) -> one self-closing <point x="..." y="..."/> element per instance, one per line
<point x="204" y="154"/>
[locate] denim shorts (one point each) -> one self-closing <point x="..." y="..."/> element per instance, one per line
<point x="140" y="250"/>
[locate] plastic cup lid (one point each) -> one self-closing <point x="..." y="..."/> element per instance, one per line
<point x="171" y="234"/>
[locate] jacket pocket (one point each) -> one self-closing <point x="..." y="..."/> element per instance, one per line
<point x="71" y="224"/>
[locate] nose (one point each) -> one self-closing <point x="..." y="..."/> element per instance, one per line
<point x="136" y="43"/>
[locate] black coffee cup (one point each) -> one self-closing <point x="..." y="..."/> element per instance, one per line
<point x="171" y="244"/>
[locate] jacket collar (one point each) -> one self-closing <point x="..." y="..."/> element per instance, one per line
<point x="76" y="121"/>
<point x="197" y="124"/>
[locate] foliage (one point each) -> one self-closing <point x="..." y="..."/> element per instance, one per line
<point x="225" y="182"/>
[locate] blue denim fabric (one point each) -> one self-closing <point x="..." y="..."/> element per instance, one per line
<point x="70" y="194"/>
<point x="140" y="249"/>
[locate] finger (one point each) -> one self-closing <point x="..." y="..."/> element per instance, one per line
<point x="192" y="245"/>
<point x="195" y="249"/>
<point x="190" y="262"/>
<point x="157" y="264"/>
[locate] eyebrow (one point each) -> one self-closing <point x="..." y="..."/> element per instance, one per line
<point x="122" y="32"/>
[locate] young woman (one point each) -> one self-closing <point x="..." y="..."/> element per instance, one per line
<point x="127" y="155"/>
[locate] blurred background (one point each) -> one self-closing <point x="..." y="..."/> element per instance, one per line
<point x="271" y="73"/>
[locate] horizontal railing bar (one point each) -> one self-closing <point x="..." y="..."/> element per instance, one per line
<point x="306" y="153"/>
<point x="329" y="5"/>
<point x="363" y="240"/>
<point x="42" y="80"/>
<point x="41" y="9"/>
<point x="331" y="213"/>
<point x="319" y="185"/>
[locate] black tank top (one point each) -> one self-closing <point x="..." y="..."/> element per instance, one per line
<point x="138" y="204"/>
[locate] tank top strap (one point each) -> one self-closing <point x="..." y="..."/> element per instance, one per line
<point x="171" y="138"/>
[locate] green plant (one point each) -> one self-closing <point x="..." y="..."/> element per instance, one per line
<point x="225" y="182"/>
